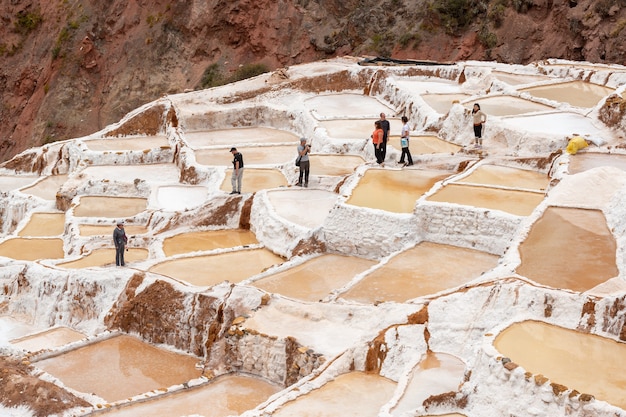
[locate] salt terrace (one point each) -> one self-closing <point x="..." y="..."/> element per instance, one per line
<point x="477" y="282"/>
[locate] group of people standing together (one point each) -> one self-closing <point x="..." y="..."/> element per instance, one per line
<point x="381" y="135"/>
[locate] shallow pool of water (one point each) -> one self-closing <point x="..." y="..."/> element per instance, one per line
<point x="48" y="339"/>
<point x="44" y="224"/>
<point x="394" y="190"/>
<point x="315" y="279"/>
<point x="519" y="203"/>
<point x="253" y="155"/>
<point x="507" y="106"/>
<point x="116" y="207"/>
<point x="104" y="257"/>
<point x="518" y="79"/>
<point x="180" y="197"/>
<point x="334" y="165"/>
<point x="356" y="129"/>
<point x="585" y="161"/>
<point x="425" y="269"/>
<point x="441" y="103"/>
<point x="46" y="188"/>
<point x="208" y="270"/>
<point x="344" y="105"/>
<point x="424" y="145"/>
<point x="32" y="249"/>
<point x="256" y="179"/>
<point x="239" y="137"/>
<point x="569" y="248"/>
<point x="128" y="143"/>
<point x="207" y="240"/>
<point x="352" y="394"/>
<point x="120" y="367"/>
<point x="306" y="207"/>
<point x="587" y="363"/>
<point x="507" y="177"/>
<point x="107" y="230"/>
<point x="577" y="93"/>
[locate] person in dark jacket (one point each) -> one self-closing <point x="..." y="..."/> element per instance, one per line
<point x="237" y="175"/>
<point x="120" y="240"/>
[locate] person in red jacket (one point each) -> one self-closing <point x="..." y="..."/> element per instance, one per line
<point x="377" y="141"/>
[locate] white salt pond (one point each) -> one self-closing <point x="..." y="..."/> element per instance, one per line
<point x="226" y="395"/>
<point x="104" y="257"/>
<point x="256" y="179"/>
<point x="584" y="362"/>
<point x="306" y="207"/>
<point x="207" y="240"/>
<point x="334" y="165"/>
<point x="345" y="105"/>
<point x="252" y="155"/>
<point x="425" y="144"/>
<point x="423" y="85"/>
<point x="441" y="103"/>
<point x="152" y="173"/>
<point x="585" y="161"/>
<point x="48" y="339"/>
<point x="352" y="394"/>
<point x="130" y="143"/>
<point x="107" y="230"/>
<point x="356" y="129"/>
<point x="507" y="177"/>
<point x="316" y="278"/>
<point x="116" y="207"/>
<point x="15" y="182"/>
<point x="180" y="197"/>
<point x="47" y="188"/>
<point x="518" y="79"/>
<point x="394" y="190"/>
<point x="120" y="367"/>
<point x="563" y="123"/>
<point x="239" y="137"/>
<point x="209" y="270"/>
<point x="553" y="252"/>
<point x="12" y="328"/>
<point x="44" y="224"/>
<point x="425" y="269"/>
<point x="577" y="93"/>
<point x="504" y="105"/>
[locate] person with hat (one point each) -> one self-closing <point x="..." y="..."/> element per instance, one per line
<point x="120" y="240"/>
<point x="305" y="164"/>
<point x="237" y="176"/>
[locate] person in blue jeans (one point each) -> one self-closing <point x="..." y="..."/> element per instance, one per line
<point x="404" y="143"/>
<point x="119" y="240"/>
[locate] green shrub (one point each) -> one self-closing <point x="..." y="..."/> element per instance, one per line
<point x="211" y="77"/>
<point x="522" y="6"/>
<point x="496" y="13"/>
<point x="487" y="38"/>
<point x="247" y="71"/>
<point x="27" y="21"/>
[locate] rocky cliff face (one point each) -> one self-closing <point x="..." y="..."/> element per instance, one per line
<point x="69" y="68"/>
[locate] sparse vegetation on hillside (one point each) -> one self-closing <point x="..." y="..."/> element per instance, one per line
<point x="214" y="77"/>
<point x="27" y="21"/>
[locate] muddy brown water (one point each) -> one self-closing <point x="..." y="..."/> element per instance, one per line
<point x="577" y="93"/>
<point x="425" y="269"/>
<point x="424" y="145"/>
<point x="207" y="240"/>
<point x="128" y="143"/>
<point x="316" y="278"/>
<point x="210" y="270"/>
<point x="239" y="137"/>
<point x="394" y="190"/>
<point x="585" y="161"/>
<point x="507" y="177"/>
<point x="116" y="207"/>
<point x="569" y="248"/>
<point x="342" y="396"/>
<point x="48" y="339"/>
<point x="44" y="224"/>
<point x="587" y="363"/>
<point x="32" y="249"/>
<point x="256" y="179"/>
<point x="120" y="367"/>
<point x="227" y="395"/>
<point x="520" y="203"/>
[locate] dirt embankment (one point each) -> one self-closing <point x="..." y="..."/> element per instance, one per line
<point x="68" y="69"/>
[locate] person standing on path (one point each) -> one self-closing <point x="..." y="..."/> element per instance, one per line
<point x="120" y="240"/>
<point x="305" y="164"/>
<point x="479" y="118"/>
<point x="404" y="143"/>
<point x="384" y="124"/>
<point x="237" y="177"/>
<point x="377" y="141"/>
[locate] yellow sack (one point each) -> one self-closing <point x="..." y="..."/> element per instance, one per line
<point x="575" y="144"/>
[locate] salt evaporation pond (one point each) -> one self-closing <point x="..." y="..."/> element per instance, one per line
<point x="334" y="165"/>
<point x="107" y="230"/>
<point x="152" y="173"/>
<point x="180" y="197"/>
<point x="423" y="145"/>
<point x="101" y="206"/>
<point x="239" y="137"/>
<point x="15" y="182"/>
<point x="226" y="395"/>
<point x="425" y="269"/>
<point x="256" y="179"/>
<point x="306" y="207"/>
<point x="252" y="155"/>
<point x="554" y="253"/>
<point x="577" y="93"/>
<point x="127" y="143"/>
<point x="441" y="103"/>
<point x="346" y="105"/>
<point x="437" y="373"/>
<point x="507" y="177"/>
<point x="351" y="394"/>
<point x="584" y="362"/>
<point x="119" y="368"/>
<point x="47" y="188"/>
<point x="209" y="270"/>
<point x="519" y="203"/>
<point x="32" y="249"/>
<point x="394" y="190"/>
<point x="585" y="161"/>
<point x="103" y="257"/>
<point x="355" y="129"/>
<point x="518" y="79"/>
<point x="507" y="105"/>
<point x="563" y="123"/>
<point x="207" y="240"/>
<point x="48" y="339"/>
<point x="15" y="327"/>
<point x="44" y="224"/>
<point x="316" y="278"/>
